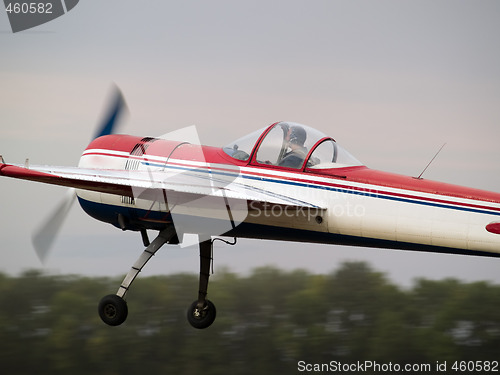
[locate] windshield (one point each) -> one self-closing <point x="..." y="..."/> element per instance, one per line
<point x="242" y="147"/>
<point x="328" y="154"/>
<point x="287" y="144"/>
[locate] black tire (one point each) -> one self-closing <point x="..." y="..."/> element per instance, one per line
<point x="204" y="318"/>
<point x="113" y="310"/>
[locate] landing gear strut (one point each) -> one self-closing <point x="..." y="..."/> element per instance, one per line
<point x="113" y="309"/>
<point x="201" y="314"/>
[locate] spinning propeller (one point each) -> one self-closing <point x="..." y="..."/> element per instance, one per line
<point x="44" y="236"/>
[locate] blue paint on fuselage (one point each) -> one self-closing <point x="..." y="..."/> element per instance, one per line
<point x="137" y="219"/>
<point x="134" y="219"/>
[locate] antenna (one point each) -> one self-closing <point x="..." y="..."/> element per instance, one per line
<point x="427" y="166"/>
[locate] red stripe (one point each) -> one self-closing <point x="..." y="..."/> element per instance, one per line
<point x="401" y="195"/>
<point x="361" y="174"/>
<point x="399" y="182"/>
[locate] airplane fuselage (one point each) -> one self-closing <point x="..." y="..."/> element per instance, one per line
<point x="351" y="205"/>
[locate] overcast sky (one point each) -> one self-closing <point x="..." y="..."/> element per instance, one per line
<point x="389" y="80"/>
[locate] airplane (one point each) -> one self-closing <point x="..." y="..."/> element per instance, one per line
<point x="286" y="181"/>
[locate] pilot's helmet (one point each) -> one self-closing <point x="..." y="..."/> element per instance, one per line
<point x="298" y="135"/>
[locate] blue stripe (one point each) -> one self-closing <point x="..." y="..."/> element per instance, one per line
<point x="341" y="190"/>
<point x="108" y="213"/>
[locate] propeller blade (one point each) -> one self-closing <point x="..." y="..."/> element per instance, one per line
<point x="45" y="235"/>
<point x="110" y="120"/>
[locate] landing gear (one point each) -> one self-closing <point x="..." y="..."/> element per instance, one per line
<point x="113" y="310"/>
<point x="201" y="314"/>
<point x="201" y="317"/>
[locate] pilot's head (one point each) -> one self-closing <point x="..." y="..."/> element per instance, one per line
<point x="297" y="135"/>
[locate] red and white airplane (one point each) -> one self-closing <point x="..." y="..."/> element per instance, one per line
<point x="284" y="182"/>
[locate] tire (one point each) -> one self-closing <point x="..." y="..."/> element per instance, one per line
<point x="204" y="318"/>
<point x="113" y="310"/>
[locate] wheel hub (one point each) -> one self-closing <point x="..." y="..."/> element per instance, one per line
<point x="110" y="311"/>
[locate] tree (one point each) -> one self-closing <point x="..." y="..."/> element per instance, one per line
<point x="266" y="322"/>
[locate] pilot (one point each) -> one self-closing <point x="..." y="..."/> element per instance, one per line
<point x="295" y="157"/>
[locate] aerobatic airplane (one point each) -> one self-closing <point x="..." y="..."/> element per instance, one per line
<point x="285" y="182"/>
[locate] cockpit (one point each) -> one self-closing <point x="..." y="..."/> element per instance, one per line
<point x="290" y="145"/>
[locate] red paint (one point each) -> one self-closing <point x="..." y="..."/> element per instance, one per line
<point x="116" y="142"/>
<point x="493" y="228"/>
<point x="360" y="174"/>
<point x="29" y="174"/>
<point x="160" y="147"/>
<point x="23" y="173"/>
<point x="392" y="180"/>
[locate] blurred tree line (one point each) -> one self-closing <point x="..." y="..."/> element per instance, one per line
<point x="266" y="323"/>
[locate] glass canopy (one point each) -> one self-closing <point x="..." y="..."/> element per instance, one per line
<point x="290" y="145"/>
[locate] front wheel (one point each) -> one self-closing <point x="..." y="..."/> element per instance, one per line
<point x="113" y="310"/>
<point x="201" y="318"/>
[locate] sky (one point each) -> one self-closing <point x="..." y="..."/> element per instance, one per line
<point x="391" y="81"/>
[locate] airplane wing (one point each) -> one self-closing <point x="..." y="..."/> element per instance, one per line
<point x="149" y="184"/>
